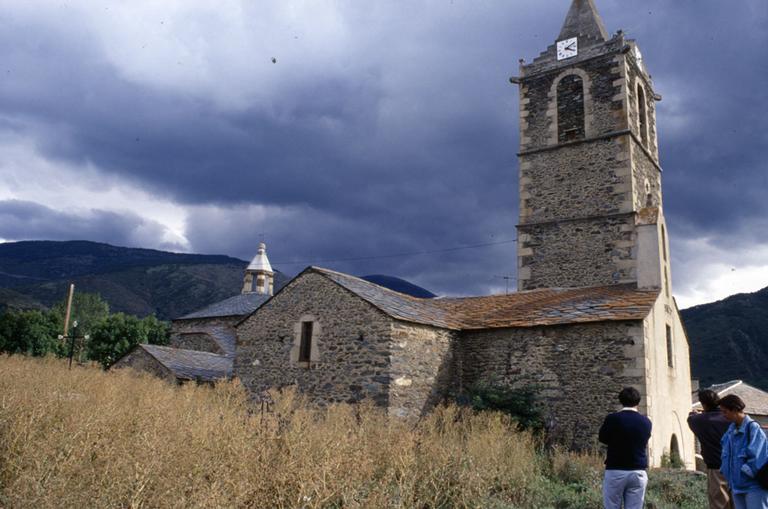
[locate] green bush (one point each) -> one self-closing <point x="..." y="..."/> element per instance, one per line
<point x="30" y="332"/>
<point x="521" y="402"/>
<point x="114" y="336"/>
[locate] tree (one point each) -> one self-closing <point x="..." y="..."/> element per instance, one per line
<point x="87" y="308"/>
<point x="30" y="332"/>
<point x="114" y="336"/>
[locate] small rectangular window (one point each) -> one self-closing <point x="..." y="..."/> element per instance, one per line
<point x="305" y="349"/>
<point x="670" y="352"/>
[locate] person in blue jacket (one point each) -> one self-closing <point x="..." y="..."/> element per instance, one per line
<point x="745" y="451"/>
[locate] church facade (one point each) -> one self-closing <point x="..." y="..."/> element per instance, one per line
<point x="594" y="311"/>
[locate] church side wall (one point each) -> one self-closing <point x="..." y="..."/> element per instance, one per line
<point x="423" y="370"/>
<point x="351" y="344"/>
<point x="669" y="387"/>
<point x="580" y="369"/>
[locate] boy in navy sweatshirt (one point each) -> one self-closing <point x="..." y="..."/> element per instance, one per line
<point x="626" y="434"/>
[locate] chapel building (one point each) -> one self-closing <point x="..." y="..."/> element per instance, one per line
<point x="594" y="311"/>
<point x="202" y="343"/>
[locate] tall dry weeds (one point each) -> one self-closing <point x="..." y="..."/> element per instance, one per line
<point x="85" y="438"/>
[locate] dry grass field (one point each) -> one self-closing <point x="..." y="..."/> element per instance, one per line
<point x="85" y="438"/>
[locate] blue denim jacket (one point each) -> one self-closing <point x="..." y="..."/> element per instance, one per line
<point x="742" y="460"/>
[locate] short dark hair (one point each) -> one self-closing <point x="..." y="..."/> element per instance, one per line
<point x="708" y="399"/>
<point x="629" y="397"/>
<point x="732" y="402"/>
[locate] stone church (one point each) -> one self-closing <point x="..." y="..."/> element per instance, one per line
<point x="202" y="344"/>
<point x="594" y="311"/>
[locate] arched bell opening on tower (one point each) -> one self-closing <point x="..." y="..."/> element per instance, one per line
<point x="570" y="109"/>
<point x="642" y="112"/>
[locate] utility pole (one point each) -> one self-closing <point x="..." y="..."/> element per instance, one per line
<point x="506" y="282"/>
<point x="69" y="307"/>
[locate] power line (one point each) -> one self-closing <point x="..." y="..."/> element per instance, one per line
<point x="398" y="255"/>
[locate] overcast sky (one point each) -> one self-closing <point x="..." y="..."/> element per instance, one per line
<point x="356" y="129"/>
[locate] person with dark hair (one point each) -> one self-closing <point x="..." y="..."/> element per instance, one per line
<point x="626" y="433"/>
<point x="745" y="452"/>
<point x="709" y="426"/>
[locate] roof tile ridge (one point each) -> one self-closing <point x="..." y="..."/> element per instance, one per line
<point x="735" y="383"/>
<point x="322" y="270"/>
<point x="498" y="295"/>
<point x="174" y="349"/>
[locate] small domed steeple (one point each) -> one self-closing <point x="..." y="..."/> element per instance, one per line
<point x="261" y="270"/>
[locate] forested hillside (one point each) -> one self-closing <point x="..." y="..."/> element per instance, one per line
<point x="35" y="274"/>
<point x="729" y="339"/>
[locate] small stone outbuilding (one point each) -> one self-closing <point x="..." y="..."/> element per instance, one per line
<point x="177" y="365"/>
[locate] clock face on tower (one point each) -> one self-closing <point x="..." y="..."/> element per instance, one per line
<point x="567" y="48"/>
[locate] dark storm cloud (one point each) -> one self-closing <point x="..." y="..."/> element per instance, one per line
<point x="23" y="220"/>
<point x="406" y="145"/>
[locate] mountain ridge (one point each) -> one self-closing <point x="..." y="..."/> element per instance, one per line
<point x="138" y="281"/>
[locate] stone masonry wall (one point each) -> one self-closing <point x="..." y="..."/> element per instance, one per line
<point x="645" y="171"/>
<point x="199" y="334"/>
<point x="200" y="341"/>
<point x="580" y="368"/>
<point x="352" y="356"/>
<point x="590" y="252"/>
<point x="140" y="360"/>
<point x="576" y="181"/>
<point x="422" y="368"/>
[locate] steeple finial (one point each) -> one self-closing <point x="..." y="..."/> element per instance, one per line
<point x="583" y="20"/>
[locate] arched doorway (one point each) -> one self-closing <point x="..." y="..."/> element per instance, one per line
<point x="675" y="460"/>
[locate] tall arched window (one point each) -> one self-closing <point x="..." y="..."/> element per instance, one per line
<point x="642" y="111"/>
<point x="570" y="109"/>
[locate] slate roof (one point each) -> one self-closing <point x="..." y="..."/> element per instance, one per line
<point x="755" y="399"/>
<point x="191" y="364"/>
<point x="239" y="305"/>
<point x="550" y="306"/>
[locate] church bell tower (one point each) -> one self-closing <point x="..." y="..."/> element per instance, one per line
<point x="590" y="178"/>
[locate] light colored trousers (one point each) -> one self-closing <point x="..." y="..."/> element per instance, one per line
<point x="717" y="490"/>
<point x="625" y="487"/>
<point x="757" y="499"/>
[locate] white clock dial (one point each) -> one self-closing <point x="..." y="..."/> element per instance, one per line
<point x="567" y="48"/>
